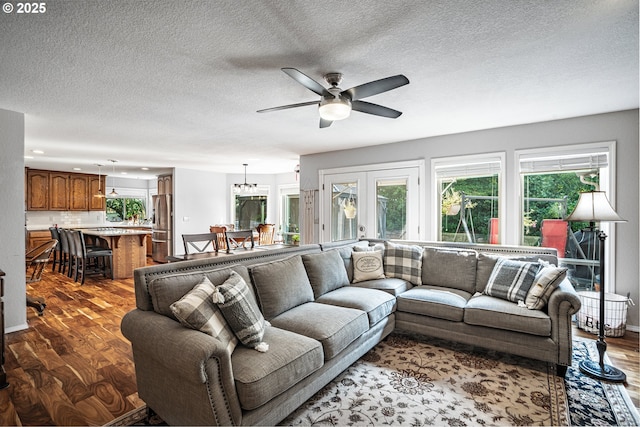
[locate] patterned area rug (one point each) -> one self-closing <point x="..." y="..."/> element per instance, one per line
<point x="414" y="381"/>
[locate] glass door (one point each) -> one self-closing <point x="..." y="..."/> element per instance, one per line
<point x="343" y="207"/>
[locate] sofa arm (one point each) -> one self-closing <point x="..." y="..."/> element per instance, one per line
<point x="174" y="362"/>
<point x="563" y="303"/>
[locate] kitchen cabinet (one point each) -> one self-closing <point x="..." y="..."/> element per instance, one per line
<point x="38" y="190"/>
<point x="96" y="184"/>
<point x="36" y="238"/>
<point x="165" y="184"/>
<point x="79" y="190"/>
<point x="63" y="191"/>
<point x="58" y="191"/>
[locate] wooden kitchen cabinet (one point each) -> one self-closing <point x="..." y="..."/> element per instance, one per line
<point x="58" y="191"/>
<point x="63" y="191"/>
<point x="37" y="237"/>
<point x="96" y="184"/>
<point x="79" y="190"/>
<point x="37" y="190"/>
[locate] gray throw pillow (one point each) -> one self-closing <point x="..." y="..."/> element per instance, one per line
<point x="242" y="315"/>
<point x="545" y="282"/>
<point x="326" y="271"/>
<point x="197" y="311"/>
<point x="281" y="285"/>
<point x="403" y="262"/>
<point x="510" y="280"/>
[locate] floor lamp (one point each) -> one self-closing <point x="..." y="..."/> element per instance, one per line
<point x="592" y="207"/>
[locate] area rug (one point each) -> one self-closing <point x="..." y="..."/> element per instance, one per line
<point x="417" y="381"/>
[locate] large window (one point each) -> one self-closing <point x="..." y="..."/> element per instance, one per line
<point x="250" y="210"/>
<point x="468" y="198"/>
<point x="126" y="209"/>
<point x="551" y="185"/>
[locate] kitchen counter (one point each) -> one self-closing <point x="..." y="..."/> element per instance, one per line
<point x="129" y="247"/>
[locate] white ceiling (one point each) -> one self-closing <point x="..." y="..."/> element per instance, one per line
<point x="177" y="83"/>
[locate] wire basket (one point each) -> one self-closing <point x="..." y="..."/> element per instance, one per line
<point x="615" y="313"/>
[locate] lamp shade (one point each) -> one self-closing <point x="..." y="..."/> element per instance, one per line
<point x="335" y="108"/>
<point x="593" y="206"/>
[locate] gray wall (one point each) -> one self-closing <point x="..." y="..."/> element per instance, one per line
<point x="13" y="218"/>
<point x="620" y="126"/>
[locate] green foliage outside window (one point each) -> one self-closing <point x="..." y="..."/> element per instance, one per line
<point x="122" y="208"/>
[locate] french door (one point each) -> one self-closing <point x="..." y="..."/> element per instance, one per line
<point x="382" y="204"/>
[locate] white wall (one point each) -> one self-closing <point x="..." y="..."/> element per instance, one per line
<point x="12" y="228"/>
<point x="620" y="126"/>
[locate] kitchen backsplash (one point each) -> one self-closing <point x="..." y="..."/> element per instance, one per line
<point x="64" y="218"/>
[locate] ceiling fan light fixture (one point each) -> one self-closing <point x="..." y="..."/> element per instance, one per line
<point x="335" y="108"/>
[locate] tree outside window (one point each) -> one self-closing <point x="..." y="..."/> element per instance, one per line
<point x="125" y="209"/>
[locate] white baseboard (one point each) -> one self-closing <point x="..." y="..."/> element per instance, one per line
<point x="16" y="328"/>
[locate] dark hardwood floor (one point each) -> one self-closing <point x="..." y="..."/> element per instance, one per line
<point x="72" y="366"/>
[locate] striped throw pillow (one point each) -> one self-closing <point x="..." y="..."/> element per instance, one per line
<point x="510" y="280"/>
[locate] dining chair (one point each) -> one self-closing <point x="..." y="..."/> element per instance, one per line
<point x="239" y="239"/>
<point x="266" y="233"/>
<point x="219" y="230"/>
<point x="199" y="243"/>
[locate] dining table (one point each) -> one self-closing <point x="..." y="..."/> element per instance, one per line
<point x="204" y="255"/>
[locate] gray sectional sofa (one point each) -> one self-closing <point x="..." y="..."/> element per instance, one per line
<point x="317" y="322"/>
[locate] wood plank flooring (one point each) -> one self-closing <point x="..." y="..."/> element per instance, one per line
<point x="72" y="366"/>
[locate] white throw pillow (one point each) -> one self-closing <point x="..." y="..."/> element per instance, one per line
<point x="367" y="266"/>
<point x="545" y="282"/>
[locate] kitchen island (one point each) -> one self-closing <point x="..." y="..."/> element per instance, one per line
<point x="129" y="247"/>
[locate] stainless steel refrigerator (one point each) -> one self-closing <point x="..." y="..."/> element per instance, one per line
<point x="162" y="231"/>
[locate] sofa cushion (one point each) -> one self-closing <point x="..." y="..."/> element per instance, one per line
<point x="545" y="282"/>
<point x="391" y="285"/>
<point x="168" y="289"/>
<point x="260" y="377"/>
<point x="377" y="304"/>
<point x="281" y="285"/>
<point x="483" y="310"/>
<point x="367" y="265"/>
<point x="345" y="254"/>
<point x="434" y="301"/>
<point x="450" y="268"/>
<point x="241" y="311"/>
<point x="195" y="310"/>
<point x="326" y="271"/>
<point x="335" y="327"/>
<point x="403" y="262"/>
<point x="511" y="280"/>
<point x="486" y="262"/>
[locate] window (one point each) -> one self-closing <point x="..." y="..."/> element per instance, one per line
<point x="468" y="191"/>
<point x="250" y="210"/>
<point x="120" y="209"/>
<point x="551" y="185"/>
<point x="290" y="215"/>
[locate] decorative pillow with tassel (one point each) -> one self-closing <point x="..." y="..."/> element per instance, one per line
<point x="241" y="312"/>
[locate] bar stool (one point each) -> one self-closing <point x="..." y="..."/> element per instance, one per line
<point x="57" y="253"/>
<point x="89" y="261"/>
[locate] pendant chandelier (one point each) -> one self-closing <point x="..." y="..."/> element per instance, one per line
<point x="100" y="193"/>
<point x="245" y="187"/>
<point x="113" y="191"/>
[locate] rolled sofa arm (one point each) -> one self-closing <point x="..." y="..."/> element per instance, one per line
<point x="184" y="375"/>
<point x="563" y="303"/>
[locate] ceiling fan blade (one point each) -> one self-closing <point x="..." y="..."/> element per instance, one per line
<point x="376" y="87"/>
<point x="325" y="123"/>
<point x="285" y="107"/>
<point x="375" y="109"/>
<point x="306" y="81"/>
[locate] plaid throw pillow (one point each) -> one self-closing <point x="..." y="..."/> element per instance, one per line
<point x="242" y="314"/>
<point x="403" y="262"/>
<point x="511" y="280"/>
<point x="545" y="282"/>
<point x="195" y="310"/>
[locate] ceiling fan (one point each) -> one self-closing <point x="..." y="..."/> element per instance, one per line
<point x="336" y="104"/>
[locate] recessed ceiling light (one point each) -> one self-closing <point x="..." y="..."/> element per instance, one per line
<point x="123" y="173"/>
<point x="37" y="151"/>
<point x="77" y="169"/>
<point x="145" y="169"/>
<point x="28" y="157"/>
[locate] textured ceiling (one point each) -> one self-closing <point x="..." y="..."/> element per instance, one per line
<point x="177" y="83"/>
